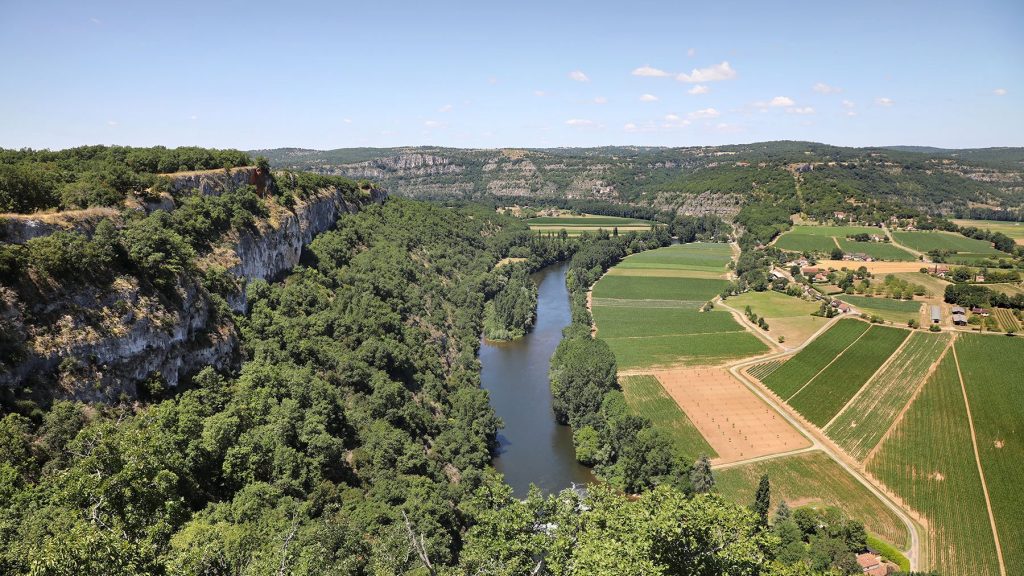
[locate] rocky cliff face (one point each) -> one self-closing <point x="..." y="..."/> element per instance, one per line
<point x="102" y="344"/>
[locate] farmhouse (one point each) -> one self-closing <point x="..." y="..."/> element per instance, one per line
<point x="979" y="311"/>
<point x="958" y="310"/>
<point x="820" y="278"/>
<point x="778" y="275"/>
<point x="959" y="319"/>
<point x="809" y="271"/>
<point x="936" y="315"/>
<point x="872" y="564"/>
<point x="979" y="278"/>
<point x="843" y="307"/>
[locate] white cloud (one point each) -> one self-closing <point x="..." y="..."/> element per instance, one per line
<point x="346" y="120"/>
<point x="883" y="101"/>
<point x="445" y="108"/>
<point x="492" y="80"/>
<point x="823" y="88"/>
<point x="629" y="127"/>
<point x="1000" y="91"/>
<point x="699" y="89"/>
<point x="111" y="122"/>
<point x="95" y="20"/>
<point x="579" y="122"/>
<point x="804" y="110"/>
<point x="705" y="113"/>
<point x="848" y="104"/>
<point x="648" y="98"/>
<point x="691" y="52"/>
<point x="600" y="100"/>
<point x="781" y="101"/>
<point x="650" y="72"/>
<point x="578" y="76"/>
<point x="725" y="127"/>
<point x="540" y="93"/>
<point x="710" y="74"/>
<point x="433" y="124"/>
<point x="193" y="117"/>
<point x="672" y="118"/>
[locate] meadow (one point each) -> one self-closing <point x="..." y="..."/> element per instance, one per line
<point x="787" y="316"/>
<point x="862" y="424"/>
<point x="1014" y="230"/>
<point x="813" y="479"/>
<point x="825" y="238"/>
<point x="877" y="250"/>
<point x="698" y="290"/>
<point x="697" y="256"/>
<point x="588" y="220"/>
<point x="646" y="397"/>
<point x="993" y="372"/>
<point x="792" y="375"/>
<point x="934" y="286"/>
<point x="924" y="241"/>
<point x="637" y="321"/>
<point x="825" y="395"/>
<point x="929" y="462"/>
<point x="692" y="349"/>
<point x="896" y="311"/>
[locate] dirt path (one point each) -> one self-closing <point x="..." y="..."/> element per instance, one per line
<point x="981" y="472"/>
<point x="748" y="325"/>
<point x="827" y="365"/>
<point x="893" y="241"/>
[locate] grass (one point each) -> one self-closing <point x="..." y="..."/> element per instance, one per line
<point x="587" y="220"/>
<point x="688" y="349"/>
<point x="696" y="256"/>
<point x="863" y="423"/>
<point x="877" y="250"/>
<point x="813" y="479"/>
<point x="827" y="393"/>
<point x="924" y="241"/>
<point x="805" y="243"/>
<point x="647" y="287"/>
<point x="789" y="377"/>
<point x="932" y="285"/>
<point x="1014" y="230"/>
<point x="771" y="304"/>
<point x="1008" y="289"/>
<point x="631" y="322"/>
<point x="646" y="397"/>
<point x="929" y="462"/>
<point x="993" y="371"/>
<point x="889" y="552"/>
<point x="678" y="272"/>
<point x="896" y="311"/>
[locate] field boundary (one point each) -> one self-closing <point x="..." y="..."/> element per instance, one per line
<point x="826" y="366"/>
<point x="906" y="407"/>
<point x="981" y="472"/>
<point x="885" y="364"/>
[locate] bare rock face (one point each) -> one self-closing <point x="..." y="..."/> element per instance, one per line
<point x="213" y="182"/>
<point x="101" y="344"/>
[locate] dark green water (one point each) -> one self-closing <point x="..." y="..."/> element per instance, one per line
<point x="533" y="448"/>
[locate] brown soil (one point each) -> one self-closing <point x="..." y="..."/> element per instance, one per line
<point x="736" y="423"/>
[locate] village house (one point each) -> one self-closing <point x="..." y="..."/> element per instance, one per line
<point x="872" y="564"/>
<point x="979" y="311"/>
<point x="841" y="306"/>
<point x="959" y="310"/>
<point x="820" y="278"/>
<point x="960" y="319"/>
<point x="979" y="278"/>
<point x="840" y="215"/>
<point x="778" y="275"/>
<point x="809" y="271"/>
<point x="936" y="315"/>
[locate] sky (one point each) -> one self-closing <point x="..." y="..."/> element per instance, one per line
<point x="335" y="74"/>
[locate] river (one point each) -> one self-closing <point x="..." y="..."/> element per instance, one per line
<point x="532" y="448"/>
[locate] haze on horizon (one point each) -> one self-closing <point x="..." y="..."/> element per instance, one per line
<point x="325" y="75"/>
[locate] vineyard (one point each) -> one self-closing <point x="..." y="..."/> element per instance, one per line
<point x="925" y="241"/>
<point x="862" y="424"/>
<point x="644" y="287"/>
<point x="761" y="371"/>
<point x="813" y="479"/>
<point x="929" y="462"/>
<point x="646" y="397"/>
<point x="791" y="376"/>
<point x="825" y="395"/>
<point x="877" y="250"/>
<point x="1007" y="321"/>
<point x="993" y="372"/>
<point x="633" y="321"/>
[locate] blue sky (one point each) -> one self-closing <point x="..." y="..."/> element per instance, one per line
<point x="488" y="74"/>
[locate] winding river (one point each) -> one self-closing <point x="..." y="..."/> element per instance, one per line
<point x="533" y="448"/>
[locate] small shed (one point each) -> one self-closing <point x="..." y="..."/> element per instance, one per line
<point x="960" y="319"/>
<point x="936" y="315"/>
<point x="959" y="310"/>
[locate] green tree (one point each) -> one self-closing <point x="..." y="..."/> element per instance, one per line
<point x="701" y="478"/>
<point x="762" y="500"/>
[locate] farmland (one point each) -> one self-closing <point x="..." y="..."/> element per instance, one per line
<point x="898" y="311"/>
<point x="634" y="321"/>
<point x="829" y="391"/>
<point x="993" y="372"/>
<point x="934" y="286"/>
<point x="787" y="316"/>
<point x="760" y="371"/>
<point x="877" y="250"/>
<point x="1014" y="230"/>
<point x="929" y="462"/>
<point x="589" y="220"/>
<point x="925" y="241"/>
<point x="813" y="479"/>
<point x="647" y="398"/>
<point x="826" y="238"/>
<point x="862" y="424"/>
<point x="695" y="256"/>
<point x="692" y="290"/>
<point x="792" y="375"/>
<point x="1007" y="321"/>
<point x="632" y="353"/>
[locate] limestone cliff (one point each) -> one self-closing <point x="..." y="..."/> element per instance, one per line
<point x="93" y="343"/>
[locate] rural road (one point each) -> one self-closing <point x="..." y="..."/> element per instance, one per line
<point x="818" y="443"/>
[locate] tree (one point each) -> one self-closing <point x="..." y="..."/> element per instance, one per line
<point x="762" y="501"/>
<point x="701" y="478"/>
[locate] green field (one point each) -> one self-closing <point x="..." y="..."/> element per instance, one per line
<point x="1014" y="230"/>
<point x="687" y="349"/>
<point x="646" y="397"/>
<point x="772" y="304"/>
<point x="792" y="375"/>
<point x="934" y="286"/>
<point x="813" y="479"/>
<point x="694" y="256"/>
<point x="696" y="291"/>
<point x="634" y="321"/>
<point x="929" y="462"/>
<point x="805" y="243"/>
<point x="877" y="250"/>
<point x="897" y="311"/>
<point x="1007" y="321"/>
<point x="587" y="220"/>
<point x="825" y="395"/>
<point x="993" y="371"/>
<point x="761" y="371"/>
<point x="862" y="424"/>
<point x="925" y="241"/>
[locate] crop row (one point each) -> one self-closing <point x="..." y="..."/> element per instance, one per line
<point x="829" y="391"/>
<point x="761" y="371"/>
<point x="646" y="397"/>
<point x="792" y="375"/>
